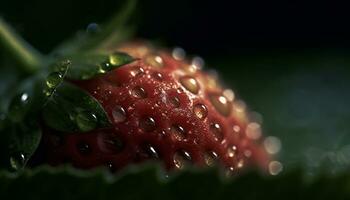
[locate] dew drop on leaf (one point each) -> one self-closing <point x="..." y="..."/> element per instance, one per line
<point x="17" y="161"/>
<point x="93" y="28"/>
<point x="86" y="121"/>
<point x="53" y="79"/>
<point x="16" y="109"/>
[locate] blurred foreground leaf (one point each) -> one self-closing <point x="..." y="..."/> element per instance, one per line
<point x="148" y="182"/>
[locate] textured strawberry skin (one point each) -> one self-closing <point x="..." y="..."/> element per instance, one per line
<point x="165" y="109"/>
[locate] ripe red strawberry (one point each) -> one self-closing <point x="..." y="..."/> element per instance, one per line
<point x="165" y="108"/>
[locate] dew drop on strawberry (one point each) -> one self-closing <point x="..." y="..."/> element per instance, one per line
<point x="181" y="159"/>
<point x="210" y="158"/>
<point x="200" y="111"/>
<point x="119" y="114"/>
<point x="164" y="108"/>
<point x="190" y="84"/>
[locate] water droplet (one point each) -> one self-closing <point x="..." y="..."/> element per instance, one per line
<point x="150" y="151"/>
<point x="240" y="163"/>
<point x="178" y="53"/>
<point x="114" y="143"/>
<point x="174" y="101"/>
<point x="53" y="79"/>
<point x="139" y="92"/>
<point x="253" y="131"/>
<point x="228" y="93"/>
<point x="198" y="62"/>
<point x="17" y="161"/>
<point x="154" y="60"/>
<point x="86" y="121"/>
<point x="147" y="124"/>
<point x="136" y="71"/>
<point x="181" y="159"/>
<point x="229" y="171"/>
<point x="111" y="166"/>
<point x="200" y="111"/>
<point x="18" y="107"/>
<point x="231" y="151"/>
<point x="191" y="69"/>
<point x="210" y="158"/>
<point x="158" y="76"/>
<point x="190" y="84"/>
<point x="178" y="131"/>
<point x="84" y="148"/>
<point x="216" y="130"/>
<point x="93" y="28"/>
<point x="272" y="144"/>
<point x="221" y="104"/>
<point x="275" y="168"/>
<point x="236" y="129"/>
<point x="105" y="67"/>
<point x="119" y="114"/>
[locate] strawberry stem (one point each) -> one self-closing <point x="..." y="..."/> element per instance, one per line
<point x="30" y="60"/>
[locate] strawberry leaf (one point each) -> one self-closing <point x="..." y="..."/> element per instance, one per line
<point x="87" y="66"/>
<point x="20" y="133"/>
<point x="71" y="109"/>
<point x="18" y="143"/>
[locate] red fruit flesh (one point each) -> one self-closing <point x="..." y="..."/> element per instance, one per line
<point x="165" y="109"/>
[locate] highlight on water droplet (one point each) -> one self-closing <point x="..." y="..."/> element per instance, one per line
<point x="150" y="151"/>
<point x="136" y="71"/>
<point x="139" y="92"/>
<point x="198" y="62"/>
<point x="272" y="144"/>
<point x="216" y="130"/>
<point x="86" y="121"/>
<point x="174" y="101"/>
<point x="178" y="53"/>
<point x="119" y="114"/>
<point x="210" y="158"/>
<point x="221" y="104"/>
<point x="236" y="128"/>
<point x="275" y="167"/>
<point x="154" y="60"/>
<point x="190" y="84"/>
<point x="53" y="79"/>
<point x="253" y="131"/>
<point x="231" y="151"/>
<point x="18" y="106"/>
<point x="178" y="132"/>
<point x="181" y="159"/>
<point x="201" y="111"/>
<point x="147" y="124"/>
<point x="83" y="148"/>
<point x="17" y="161"/>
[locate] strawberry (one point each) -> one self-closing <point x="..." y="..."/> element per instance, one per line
<point x="165" y="108"/>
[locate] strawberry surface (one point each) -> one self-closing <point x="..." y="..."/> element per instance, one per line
<point x="166" y="108"/>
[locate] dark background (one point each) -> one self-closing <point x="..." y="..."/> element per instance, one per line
<point x="289" y="60"/>
<point x="203" y="27"/>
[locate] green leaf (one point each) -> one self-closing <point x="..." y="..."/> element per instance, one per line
<point x="149" y="182"/>
<point x="20" y="133"/>
<point x="18" y="143"/>
<point x="87" y="66"/>
<point x="71" y="109"/>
